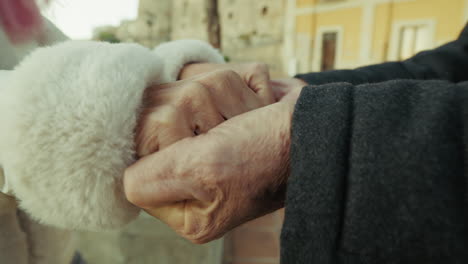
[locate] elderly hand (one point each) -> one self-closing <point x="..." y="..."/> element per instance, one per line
<point x="206" y="185"/>
<point x="282" y="87"/>
<point x="190" y="107"/>
<point x="255" y="75"/>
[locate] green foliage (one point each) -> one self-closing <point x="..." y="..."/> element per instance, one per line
<point x="108" y="37"/>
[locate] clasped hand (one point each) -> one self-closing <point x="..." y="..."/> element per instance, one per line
<point x="213" y="148"/>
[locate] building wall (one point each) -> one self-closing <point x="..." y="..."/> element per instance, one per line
<point x="286" y="33"/>
<point x="244" y="30"/>
<point x="190" y="19"/>
<point x="369" y="28"/>
<point x="252" y="30"/>
<point x="152" y="26"/>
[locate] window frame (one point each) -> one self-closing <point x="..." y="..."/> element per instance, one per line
<point x="397" y="27"/>
<point x="317" y="52"/>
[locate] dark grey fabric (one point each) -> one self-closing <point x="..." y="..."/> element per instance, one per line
<point x="378" y="174"/>
<point x="448" y="62"/>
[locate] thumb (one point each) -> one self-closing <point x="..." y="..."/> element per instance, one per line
<point x="163" y="184"/>
<point x="158" y="179"/>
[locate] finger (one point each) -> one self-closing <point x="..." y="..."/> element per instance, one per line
<point x="282" y="87"/>
<point x="259" y="82"/>
<point x="193" y="69"/>
<point x="279" y="89"/>
<point x="160" y="127"/>
<point x="230" y="93"/>
<point x="148" y="182"/>
<point x="161" y="178"/>
<point x="187" y="221"/>
<point x="205" y="114"/>
<point x="265" y="93"/>
<point x="168" y="176"/>
<point x="248" y="96"/>
<point x="173" y="215"/>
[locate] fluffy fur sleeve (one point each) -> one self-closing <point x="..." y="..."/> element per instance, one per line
<point x="67" y="119"/>
<point x="176" y="54"/>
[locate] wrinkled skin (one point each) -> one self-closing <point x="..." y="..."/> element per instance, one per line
<point x="204" y="186"/>
<point x="255" y="75"/>
<point x="203" y="175"/>
<point x="191" y="107"/>
<point x="282" y="87"/>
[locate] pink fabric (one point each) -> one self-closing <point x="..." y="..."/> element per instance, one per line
<point x="20" y="19"/>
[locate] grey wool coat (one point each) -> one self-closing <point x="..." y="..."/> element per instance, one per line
<point x="379" y="163"/>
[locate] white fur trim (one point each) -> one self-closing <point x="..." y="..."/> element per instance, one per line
<point x="180" y="52"/>
<point x="67" y="120"/>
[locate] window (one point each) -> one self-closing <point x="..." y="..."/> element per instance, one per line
<point x="409" y="37"/>
<point x="413" y="39"/>
<point x="328" y="51"/>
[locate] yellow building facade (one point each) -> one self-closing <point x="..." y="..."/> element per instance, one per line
<point x="336" y="34"/>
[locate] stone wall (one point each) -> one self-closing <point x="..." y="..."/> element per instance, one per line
<point x="189" y="19"/>
<point x="244" y="30"/>
<point x="253" y="30"/>
<point x="152" y="26"/>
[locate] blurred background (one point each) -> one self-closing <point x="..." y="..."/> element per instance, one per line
<point x="292" y="36"/>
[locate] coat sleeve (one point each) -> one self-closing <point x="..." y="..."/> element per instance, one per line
<point x="67" y="119"/>
<point x="447" y="62"/>
<point x="378" y="174"/>
<point x="66" y="131"/>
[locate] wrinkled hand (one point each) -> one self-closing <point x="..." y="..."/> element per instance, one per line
<point x="255" y="75"/>
<point x="191" y="107"/>
<point x="206" y="185"/>
<point x="282" y="87"/>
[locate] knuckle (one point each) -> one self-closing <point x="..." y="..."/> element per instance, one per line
<point x="193" y="91"/>
<point x="193" y="96"/>
<point x="170" y="116"/>
<point x="226" y="74"/>
<point x="163" y="117"/>
<point x="220" y="80"/>
<point x="161" y="121"/>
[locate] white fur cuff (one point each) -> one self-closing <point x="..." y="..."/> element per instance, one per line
<point x="67" y="120"/>
<point x="180" y="52"/>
